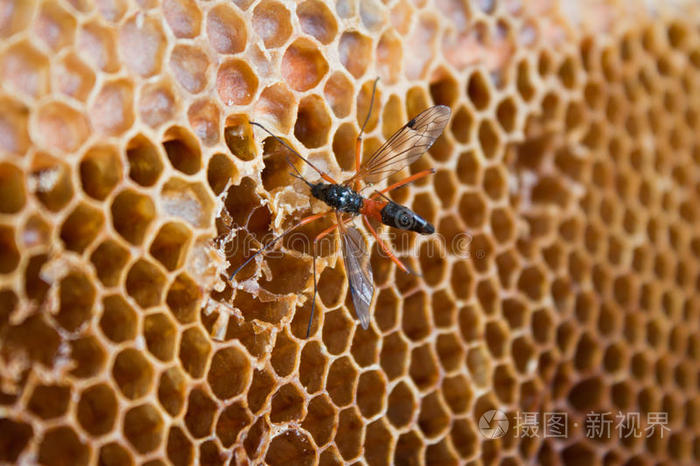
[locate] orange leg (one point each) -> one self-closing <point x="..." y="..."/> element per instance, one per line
<point x="405" y="181"/>
<point x="303" y="221"/>
<point x="386" y="248"/>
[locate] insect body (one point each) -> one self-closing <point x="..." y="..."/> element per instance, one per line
<point x="399" y="151"/>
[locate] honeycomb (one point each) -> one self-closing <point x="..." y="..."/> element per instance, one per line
<point x="564" y="275"/>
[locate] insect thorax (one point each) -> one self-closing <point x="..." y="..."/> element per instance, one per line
<point x="342" y="198"/>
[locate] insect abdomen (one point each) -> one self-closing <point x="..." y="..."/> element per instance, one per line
<point x="403" y="218"/>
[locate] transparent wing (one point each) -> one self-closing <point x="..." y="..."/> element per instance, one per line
<point x="358" y="270"/>
<point x="405" y="145"/>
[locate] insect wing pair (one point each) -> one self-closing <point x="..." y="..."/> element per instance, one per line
<point x="403" y="148"/>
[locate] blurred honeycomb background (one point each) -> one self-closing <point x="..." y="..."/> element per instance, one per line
<point x="564" y="276"/>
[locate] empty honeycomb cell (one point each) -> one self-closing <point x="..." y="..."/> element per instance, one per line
<point x="170" y="247"/>
<point x="203" y="117"/>
<point x="145" y="164"/>
<point x="157" y="103"/>
<point x="145" y="283"/>
<point x="61" y="442"/>
<point x="340" y="384"/>
<point x="133" y="373"/>
<point x="109" y="259"/>
<point x="423" y="368"/>
<point x="409" y="448"/>
<point x="261" y="387"/>
<point x="450" y="351"/>
<point x="142" y="44"/>
<point x="189" y="65"/>
<point x="49" y="401"/>
<point x="100" y="171"/>
<point x="317" y="20"/>
<point x="194" y="351"/>
<point x="97" y="409"/>
<point x="172" y="386"/>
<point x="81" y="227"/>
<point x="337" y="330"/>
<point x="457" y="393"/>
<point x="348" y="437"/>
<point x="183" y="17"/>
<point x="14" y="133"/>
<point x="524" y="83"/>
<point x="199" y="417"/>
<point x="132" y="214"/>
<point x="355" y="51"/>
<point x="240" y="138"/>
<point x="433" y="418"/>
<point x="290" y="446"/>
<point x="313" y="122"/>
<point x="25" y="336"/>
<point x="229" y="373"/>
<point x="303" y="66"/>
<point x="60" y="127"/>
<point x="183" y="299"/>
<point x="394" y="356"/>
<point x="179" y="447"/>
<point x="415" y="322"/>
<point x="480" y="366"/>
<point x="371" y="393"/>
<point x="10" y="257"/>
<point x="489" y="139"/>
<point x="119" y="320"/>
<point x="183" y="150"/>
<point x="25" y="70"/>
<point x="338" y="93"/>
<point x="255" y="437"/>
<point x="236" y="83"/>
<point x="97" y="45"/>
<point x="401" y="405"/>
<point x="76" y="298"/>
<point x="286" y="404"/>
<point x="232" y="420"/>
<point x="365" y="347"/>
<point x="73" y="77"/>
<point x="226" y="30"/>
<point x="220" y="172"/>
<point x="272" y="23"/>
<point x="160" y="334"/>
<point x="277" y="104"/>
<point x="114" y="453"/>
<point x="472" y="209"/>
<point x="320" y="419"/>
<point x="143" y="427"/>
<point x="88" y="356"/>
<point x="312" y="367"/>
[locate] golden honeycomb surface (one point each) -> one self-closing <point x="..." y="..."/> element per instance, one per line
<point x="564" y="275"/>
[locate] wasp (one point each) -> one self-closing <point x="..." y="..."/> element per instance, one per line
<point x="346" y="201"/>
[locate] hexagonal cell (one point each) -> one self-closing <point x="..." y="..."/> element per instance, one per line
<point x="119" y="321"/>
<point x="179" y="447"/>
<point x="401" y="406"/>
<point x="303" y="65"/>
<point x="114" y="453"/>
<point x="272" y="23"/>
<point x="184" y="298"/>
<point x="87" y="356"/>
<point x="199" y="417"/>
<point x="415" y="323"/>
<point x="220" y="172"/>
<point x="172" y="385"/>
<point x="423" y="369"/>
<point x="337" y="330"/>
<point x="394" y="356"/>
<point x="236" y="83"/>
<point x="145" y="283"/>
<point x="255" y="437"/>
<point x="524" y="83"/>
<point x="132" y="214"/>
<point x="226" y="30"/>
<point x="145" y="165"/>
<point x="232" y="420"/>
<point x="81" y="227"/>
<point x="312" y="367"/>
<point x="183" y="150"/>
<point x="160" y="334"/>
<point x="9" y="260"/>
<point x="143" y="428"/>
<point x="317" y="20"/>
<point x="73" y="77"/>
<point x="25" y="70"/>
<point x="320" y="419"/>
<point x="133" y="373"/>
<point x="287" y="404"/>
<point x="348" y="437"/>
<point x="371" y="393"/>
<point x="171" y="244"/>
<point x="313" y="122"/>
<point x="157" y="103"/>
<point x="365" y="347"/>
<point x="472" y="209"/>
<point x="190" y="66"/>
<point x="277" y="103"/>
<point x="58" y="126"/>
<point x="194" y="351"/>
<point x="100" y="171"/>
<point x="433" y="418"/>
<point x="355" y="51"/>
<point x="59" y="443"/>
<point x="76" y="298"/>
<point x="291" y="446"/>
<point x="97" y="409"/>
<point x="183" y="17"/>
<point x="109" y="259"/>
<point x="229" y="373"/>
<point x="342" y="377"/>
<point x="338" y="93"/>
<point x="450" y="351"/>
<point x="142" y="44"/>
<point x="98" y="46"/>
<point x="203" y="117"/>
<point x="49" y="401"/>
<point x="239" y="137"/>
<point x="261" y="387"/>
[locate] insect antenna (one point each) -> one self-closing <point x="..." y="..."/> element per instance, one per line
<point x="281" y="141"/>
<point x="371" y="103"/>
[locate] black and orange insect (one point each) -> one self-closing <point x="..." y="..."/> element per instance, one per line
<point x="403" y="148"/>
